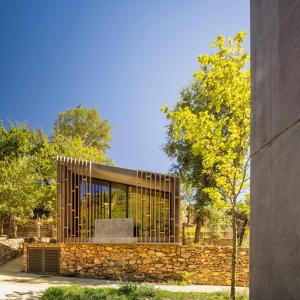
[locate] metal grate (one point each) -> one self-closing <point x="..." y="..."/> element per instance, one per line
<point x="44" y="261"/>
<point x="35" y="260"/>
<point x="52" y="261"/>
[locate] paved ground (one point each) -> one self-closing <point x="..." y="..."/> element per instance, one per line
<point x="17" y="285"/>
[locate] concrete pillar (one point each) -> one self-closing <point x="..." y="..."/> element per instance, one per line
<point x="275" y="150"/>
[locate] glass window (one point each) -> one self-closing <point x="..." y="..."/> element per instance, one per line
<point x="118" y="201"/>
<point x="151" y="213"/>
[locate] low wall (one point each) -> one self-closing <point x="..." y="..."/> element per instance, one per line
<point x="30" y="229"/>
<point x="9" y="249"/>
<point x="153" y="262"/>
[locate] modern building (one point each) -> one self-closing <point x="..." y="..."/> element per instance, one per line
<point x="104" y="204"/>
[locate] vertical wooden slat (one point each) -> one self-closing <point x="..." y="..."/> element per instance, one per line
<point x="136" y="205"/>
<point x="84" y="201"/>
<point x="174" y="208"/>
<point x="150" y="207"/>
<point x="109" y="201"/>
<point x="159" y="208"/>
<point x="177" y="209"/>
<point x="141" y="201"/>
<point x="90" y="198"/>
<point x="155" y="209"/>
<point x="164" y="209"/>
<point x="100" y="200"/>
<point x="87" y="204"/>
<point x="71" y="199"/>
<point x="67" y="207"/>
<point x="58" y="198"/>
<point x="169" y="190"/>
<point x="127" y="200"/>
<point x="78" y="201"/>
<point x="63" y="202"/>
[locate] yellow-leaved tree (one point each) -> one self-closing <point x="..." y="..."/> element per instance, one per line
<point x="219" y="130"/>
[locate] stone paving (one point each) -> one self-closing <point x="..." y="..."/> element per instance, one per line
<point x="15" y="284"/>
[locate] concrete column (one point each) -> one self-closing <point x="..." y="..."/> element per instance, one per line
<point x="275" y="150"/>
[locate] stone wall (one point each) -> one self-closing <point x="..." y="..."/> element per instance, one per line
<point x="9" y="249"/>
<point x="30" y="229"/>
<point x="151" y="262"/>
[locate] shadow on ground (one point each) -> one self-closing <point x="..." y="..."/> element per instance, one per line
<point x="24" y="295"/>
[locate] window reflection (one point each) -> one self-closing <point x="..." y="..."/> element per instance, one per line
<point x="118" y="201"/>
<point x="149" y="209"/>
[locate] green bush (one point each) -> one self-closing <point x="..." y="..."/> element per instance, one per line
<point x="139" y="292"/>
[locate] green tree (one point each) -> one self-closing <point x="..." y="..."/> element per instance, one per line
<point x="14" y="141"/>
<point x="219" y="132"/>
<point x="27" y="161"/>
<point x="85" y="123"/>
<point x="79" y="133"/>
<point x="187" y="163"/>
<point x="18" y="192"/>
<point x="14" y="145"/>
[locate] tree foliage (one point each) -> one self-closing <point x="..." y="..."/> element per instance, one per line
<point x="86" y="124"/>
<point x="18" y="191"/>
<point x="218" y="131"/>
<point x="187" y="163"/>
<point x="28" y="156"/>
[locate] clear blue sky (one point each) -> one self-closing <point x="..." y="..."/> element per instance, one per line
<point x="125" y="58"/>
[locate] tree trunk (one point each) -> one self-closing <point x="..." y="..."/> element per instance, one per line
<point x="189" y="214"/>
<point x="1" y="226"/>
<point x="15" y="227"/>
<point x="242" y="234"/>
<point x="234" y="254"/>
<point x="198" y="230"/>
<point x="183" y="234"/>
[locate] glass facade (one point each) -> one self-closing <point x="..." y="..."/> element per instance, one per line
<point x="118" y="201"/>
<point x="100" y="202"/>
<point x="151" y="213"/>
<point x="150" y="210"/>
<point x="88" y="192"/>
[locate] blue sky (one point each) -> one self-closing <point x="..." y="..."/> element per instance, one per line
<point x="125" y="58"/>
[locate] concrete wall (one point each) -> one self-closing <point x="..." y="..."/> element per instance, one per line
<point x="275" y="150"/>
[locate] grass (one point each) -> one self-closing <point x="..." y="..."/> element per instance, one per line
<point x="128" y="291"/>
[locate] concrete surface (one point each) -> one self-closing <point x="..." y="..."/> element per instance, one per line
<point x="275" y="150"/>
<point x="114" y="231"/>
<point x="20" y="286"/>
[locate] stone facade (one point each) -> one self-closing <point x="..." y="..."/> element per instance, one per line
<point x="9" y="249"/>
<point x="152" y="262"/>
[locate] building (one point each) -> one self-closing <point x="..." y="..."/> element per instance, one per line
<point x="104" y="204"/>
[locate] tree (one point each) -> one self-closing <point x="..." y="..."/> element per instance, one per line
<point x="77" y="133"/>
<point x="188" y="164"/>
<point x="85" y="123"/>
<point x="14" y="146"/>
<point x="219" y="132"/>
<point x="27" y="161"/>
<point x="18" y="192"/>
<point x="14" y="141"/>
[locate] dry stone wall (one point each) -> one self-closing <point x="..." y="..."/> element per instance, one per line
<point x="9" y="249"/>
<point x="157" y="263"/>
<point x="30" y="229"/>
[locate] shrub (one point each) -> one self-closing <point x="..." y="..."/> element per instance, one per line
<point x="138" y="292"/>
